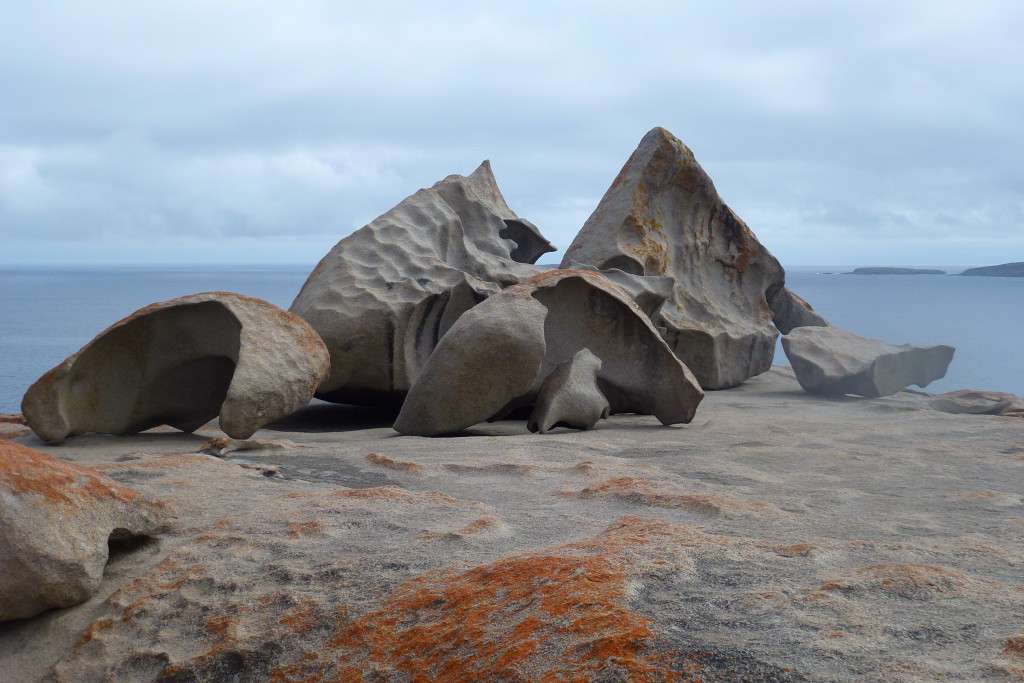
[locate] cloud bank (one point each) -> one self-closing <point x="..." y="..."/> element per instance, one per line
<point x="198" y="132"/>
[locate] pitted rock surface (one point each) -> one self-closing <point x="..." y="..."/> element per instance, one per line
<point x="56" y="520"/>
<point x="385" y="294"/>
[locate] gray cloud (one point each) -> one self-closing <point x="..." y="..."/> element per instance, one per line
<point x="869" y="131"/>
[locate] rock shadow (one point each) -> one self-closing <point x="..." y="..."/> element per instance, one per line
<point x="320" y="416"/>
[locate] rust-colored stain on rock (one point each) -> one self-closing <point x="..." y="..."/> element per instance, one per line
<point x="908" y="580"/>
<point x="24" y="470"/>
<point x="558" y="615"/>
<point x="392" y="464"/>
<point x="647" y="492"/>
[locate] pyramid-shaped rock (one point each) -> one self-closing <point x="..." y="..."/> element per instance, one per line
<point x="663" y="217"/>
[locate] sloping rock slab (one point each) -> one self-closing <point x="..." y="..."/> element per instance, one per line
<point x="829" y="360"/>
<point x="385" y="294"/>
<point x="497" y="356"/>
<point x="183" y="362"/>
<point x="663" y="217"/>
<point x="569" y="396"/>
<point x="55" y="523"/>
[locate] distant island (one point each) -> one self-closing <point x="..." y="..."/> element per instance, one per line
<point x="896" y="271"/>
<point x="1002" y="270"/>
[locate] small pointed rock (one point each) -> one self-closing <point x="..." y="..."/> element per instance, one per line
<point x="569" y="396"/>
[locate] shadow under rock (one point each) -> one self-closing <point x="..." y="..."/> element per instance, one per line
<point x="320" y="416"/>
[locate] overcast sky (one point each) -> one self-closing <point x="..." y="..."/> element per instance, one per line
<point x="862" y="133"/>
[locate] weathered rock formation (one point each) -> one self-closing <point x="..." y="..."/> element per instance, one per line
<point x="1003" y="270"/>
<point x="829" y="360"/>
<point x="569" y="396"/>
<point x="56" y="521"/>
<point x="183" y="362"/>
<point x="663" y="217"/>
<point x="385" y="294"/>
<point x="498" y="355"/>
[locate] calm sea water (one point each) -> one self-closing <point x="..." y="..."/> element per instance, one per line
<point x="48" y="314"/>
<point x="983" y="317"/>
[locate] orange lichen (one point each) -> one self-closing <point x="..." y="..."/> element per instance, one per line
<point x="161" y="462"/>
<point x="1014" y="646"/>
<point x="392" y="464"/>
<point x="474" y="527"/>
<point x="982" y="495"/>
<point x="217" y="443"/>
<point x="477" y="526"/>
<point x="558" y="615"/>
<point x="375" y="493"/>
<point x="392" y="493"/>
<point x="300" y="672"/>
<point x="94" y="630"/>
<point x="300" y="529"/>
<point x="904" y="579"/>
<point x="304" y="617"/>
<point x="797" y="550"/>
<point x="223" y="629"/>
<point x="1011" y="659"/>
<point x="647" y="492"/>
<point x="165" y="578"/>
<point x="9" y="432"/>
<point x="26" y="471"/>
<point x="13" y="418"/>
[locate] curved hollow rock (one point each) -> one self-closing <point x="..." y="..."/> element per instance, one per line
<point x="829" y="360"/>
<point x="56" y="520"/>
<point x="385" y="294"/>
<point x="492" y="355"/>
<point x="569" y="396"/>
<point x="183" y="362"/>
<point x="663" y="217"/>
<point x="475" y="375"/>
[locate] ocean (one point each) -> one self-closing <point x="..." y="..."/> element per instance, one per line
<point x="49" y="313"/>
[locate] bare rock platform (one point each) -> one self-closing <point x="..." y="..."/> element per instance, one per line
<point x="779" y="536"/>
